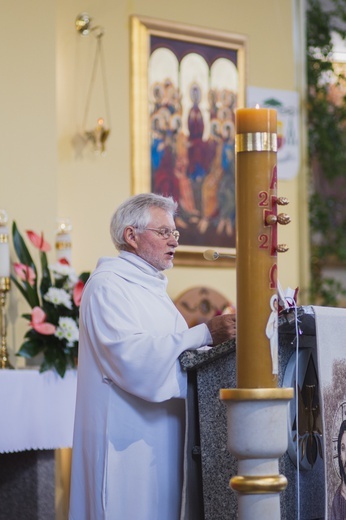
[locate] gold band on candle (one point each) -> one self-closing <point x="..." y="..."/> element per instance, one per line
<point x="258" y="485"/>
<point x="63" y="245"/>
<point x="256" y="394"/>
<point x="3" y="238"/>
<point x="256" y="142"/>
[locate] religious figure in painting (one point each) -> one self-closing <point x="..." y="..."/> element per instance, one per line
<point x="226" y="194"/>
<point x="195" y="163"/>
<point x="338" y="511"/>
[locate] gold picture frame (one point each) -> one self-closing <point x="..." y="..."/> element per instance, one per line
<point x="186" y="83"/>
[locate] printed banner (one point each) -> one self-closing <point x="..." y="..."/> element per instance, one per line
<point x="287" y="105"/>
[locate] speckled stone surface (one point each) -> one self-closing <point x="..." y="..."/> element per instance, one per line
<point x="218" y="465"/>
<point x="27" y="485"/>
<point x="213" y="369"/>
<point x="208" y="372"/>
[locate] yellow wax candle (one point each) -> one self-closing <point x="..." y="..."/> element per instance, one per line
<point x="256" y="185"/>
<point x="250" y="120"/>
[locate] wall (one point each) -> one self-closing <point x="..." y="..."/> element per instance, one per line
<point x="47" y="75"/>
<point x="28" y="155"/>
<point x="106" y="180"/>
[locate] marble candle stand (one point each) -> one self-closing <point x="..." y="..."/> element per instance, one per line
<point x="257" y="436"/>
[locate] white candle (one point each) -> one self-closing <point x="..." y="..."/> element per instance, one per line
<point x="63" y="240"/>
<point x="4" y="246"/>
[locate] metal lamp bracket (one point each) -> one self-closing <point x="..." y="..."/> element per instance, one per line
<point x="84" y="26"/>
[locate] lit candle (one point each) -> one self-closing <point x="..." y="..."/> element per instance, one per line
<point x="63" y="240"/>
<point x="256" y="184"/>
<point x="4" y="246"/>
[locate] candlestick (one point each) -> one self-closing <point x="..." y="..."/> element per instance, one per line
<point x="258" y="483"/>
<point x="4" y="246"/>
<point x="256" y="184"/>
<point x="63" y="240"/>
<point x="4" y="288"/>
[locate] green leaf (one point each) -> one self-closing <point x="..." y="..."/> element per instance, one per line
<point x="72" y="356"/>
<point x="61" y="366"/>
<point x="54" y="358"/>
<point x="30" y="349"/>
<point x="84" y="276"/>
<point x="21" y="249"/>
<point x="45" y="366"/>
<point x="28" y="292"/>
<point x="46" y="281"/>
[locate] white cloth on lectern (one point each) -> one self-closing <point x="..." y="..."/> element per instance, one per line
<point x="129" y="426"/>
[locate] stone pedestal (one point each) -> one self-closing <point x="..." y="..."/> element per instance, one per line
<point x="27" y="485"/>
<point x="209" y="462"/>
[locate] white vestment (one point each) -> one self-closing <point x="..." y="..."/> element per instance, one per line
<point x="127" y="457"/>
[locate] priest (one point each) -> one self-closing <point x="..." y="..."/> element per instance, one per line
<point x="128" y="447"/>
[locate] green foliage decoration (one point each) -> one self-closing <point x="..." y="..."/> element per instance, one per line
<point x="326" y="117"/>
<point x="54" y="301"/>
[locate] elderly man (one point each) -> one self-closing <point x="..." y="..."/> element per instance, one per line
<point x="129" y="428"/>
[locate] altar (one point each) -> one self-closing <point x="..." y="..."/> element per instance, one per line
<point x="37" y="419"/>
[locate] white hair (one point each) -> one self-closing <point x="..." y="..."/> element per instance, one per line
<point x="135" y="211"/>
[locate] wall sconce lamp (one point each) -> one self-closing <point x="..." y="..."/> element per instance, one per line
<point x="98" y="136"/>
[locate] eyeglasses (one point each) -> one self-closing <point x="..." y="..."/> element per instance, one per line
<point x="165" y="232"/>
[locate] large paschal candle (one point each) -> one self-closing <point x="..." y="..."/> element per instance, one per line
<point x="256" y="264"/>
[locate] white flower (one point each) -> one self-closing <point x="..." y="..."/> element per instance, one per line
<point x="60" y="270"/>
<point x="67" y="329"/>
<point x="58" y="297"/>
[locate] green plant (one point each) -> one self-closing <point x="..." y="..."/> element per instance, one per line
<point x="54" y="302"/>
<point x="326" y="115"/>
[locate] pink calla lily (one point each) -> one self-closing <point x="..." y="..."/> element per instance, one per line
<point x="77" y="292"/>
<point x="64" y="261"/>
<point x="38" y="323"/>
<point x="25" y="273"/>
<point x="38" y="241"/>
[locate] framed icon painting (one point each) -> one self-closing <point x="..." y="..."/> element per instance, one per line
<point x="186" y="83"/>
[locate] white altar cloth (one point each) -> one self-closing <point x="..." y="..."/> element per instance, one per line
<point x="36" y="410"/>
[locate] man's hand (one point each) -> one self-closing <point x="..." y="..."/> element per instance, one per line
<point x="222" y="328"/>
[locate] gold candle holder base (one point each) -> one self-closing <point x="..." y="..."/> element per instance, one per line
<point x="5" y="286"/>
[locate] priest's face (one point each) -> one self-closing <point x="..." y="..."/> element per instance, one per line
<point x="151" y="246"/>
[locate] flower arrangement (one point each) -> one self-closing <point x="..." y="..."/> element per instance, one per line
<point x="54" y="303"/>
